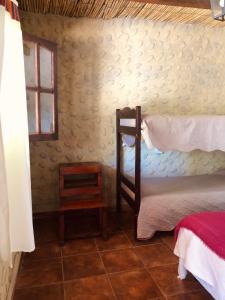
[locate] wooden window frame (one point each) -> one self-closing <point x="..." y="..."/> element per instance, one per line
<point x="51" y="46"/>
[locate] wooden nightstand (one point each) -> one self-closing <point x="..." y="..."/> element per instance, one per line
<point x="80" y="187"/>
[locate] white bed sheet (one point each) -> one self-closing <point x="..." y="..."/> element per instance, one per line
<point x="181" y="133"/>
<point x="165" y="201"/>
<point x="184" y="133"/>
<point x="202" y="262"/>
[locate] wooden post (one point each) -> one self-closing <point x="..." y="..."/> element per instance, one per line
<point x="137" y="166"/>
<point x="118" y="162"/>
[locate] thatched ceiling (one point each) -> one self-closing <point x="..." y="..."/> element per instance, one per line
<point x="107" y="9"/>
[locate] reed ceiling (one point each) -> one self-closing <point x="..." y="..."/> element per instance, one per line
<point x="107" y="9"/>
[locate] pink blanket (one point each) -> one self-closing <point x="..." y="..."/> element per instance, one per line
<point x="209" y="227"/>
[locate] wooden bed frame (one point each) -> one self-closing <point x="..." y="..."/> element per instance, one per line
<point x="131" y="114"/>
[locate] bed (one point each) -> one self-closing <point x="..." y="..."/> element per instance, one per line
<point x="160" y="203"/>
<point x="200" y="246"/>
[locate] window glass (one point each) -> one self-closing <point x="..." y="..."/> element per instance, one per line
<point x="46" y="68"/>
<point x="31" y="110"/>
<point x="29" y="50"/>
<point x="47" y="112"/>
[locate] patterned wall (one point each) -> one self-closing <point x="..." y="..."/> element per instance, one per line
<point x="103" y="65"/>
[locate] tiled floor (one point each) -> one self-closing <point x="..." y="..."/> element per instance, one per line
<point x="119" y="268"/>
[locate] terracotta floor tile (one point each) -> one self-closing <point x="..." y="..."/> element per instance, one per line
<point x="78" y="226"/>
<point x="45" y="230"/>
<point x="82" y="266"/>
<point x="126" y="219"/>
<point x="120" y="260"/>
<point x="79" y="246"/>
<point x="166" y="278"/>
<point x="113" y="224"/>
<point x="154" y="240"/>
<point x="201" y="295"/>
<point x="93" y="288"/>
<point x="39" y="264"/>
<point x="52" y="292"/>
<point x="41" y="272"/>
<point x="155" y="255"/>
<point x="168" y="239"/>
<point x="117" y="241"/>
<point x="136" y="284"/>
<point x="43" y="251"/>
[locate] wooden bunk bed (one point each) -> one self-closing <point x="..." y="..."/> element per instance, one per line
<point x="131" y="189"/>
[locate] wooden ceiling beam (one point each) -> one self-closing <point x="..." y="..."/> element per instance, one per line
<point x="203" y="4"/>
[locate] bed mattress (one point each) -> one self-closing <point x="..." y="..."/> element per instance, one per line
<point x="165" y="201"/>
<point x="206" y="266"/>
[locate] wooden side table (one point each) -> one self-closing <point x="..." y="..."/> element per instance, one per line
<point x="80" y="187"/>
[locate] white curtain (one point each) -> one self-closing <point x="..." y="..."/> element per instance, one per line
<point x="16" y="228"/>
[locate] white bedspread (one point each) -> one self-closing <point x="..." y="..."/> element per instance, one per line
<point x="184" y="133"/>
<point x="203" y="263"/>
<point x="165" y="201"/>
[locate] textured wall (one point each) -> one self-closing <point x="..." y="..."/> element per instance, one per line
<point x="103" y="65"/>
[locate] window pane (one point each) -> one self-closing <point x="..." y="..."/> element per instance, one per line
<point x="31" y="110"/>
<point x="46" y="68"/>
<point x="29" y="50"/>
<point x="47" y="113"/>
